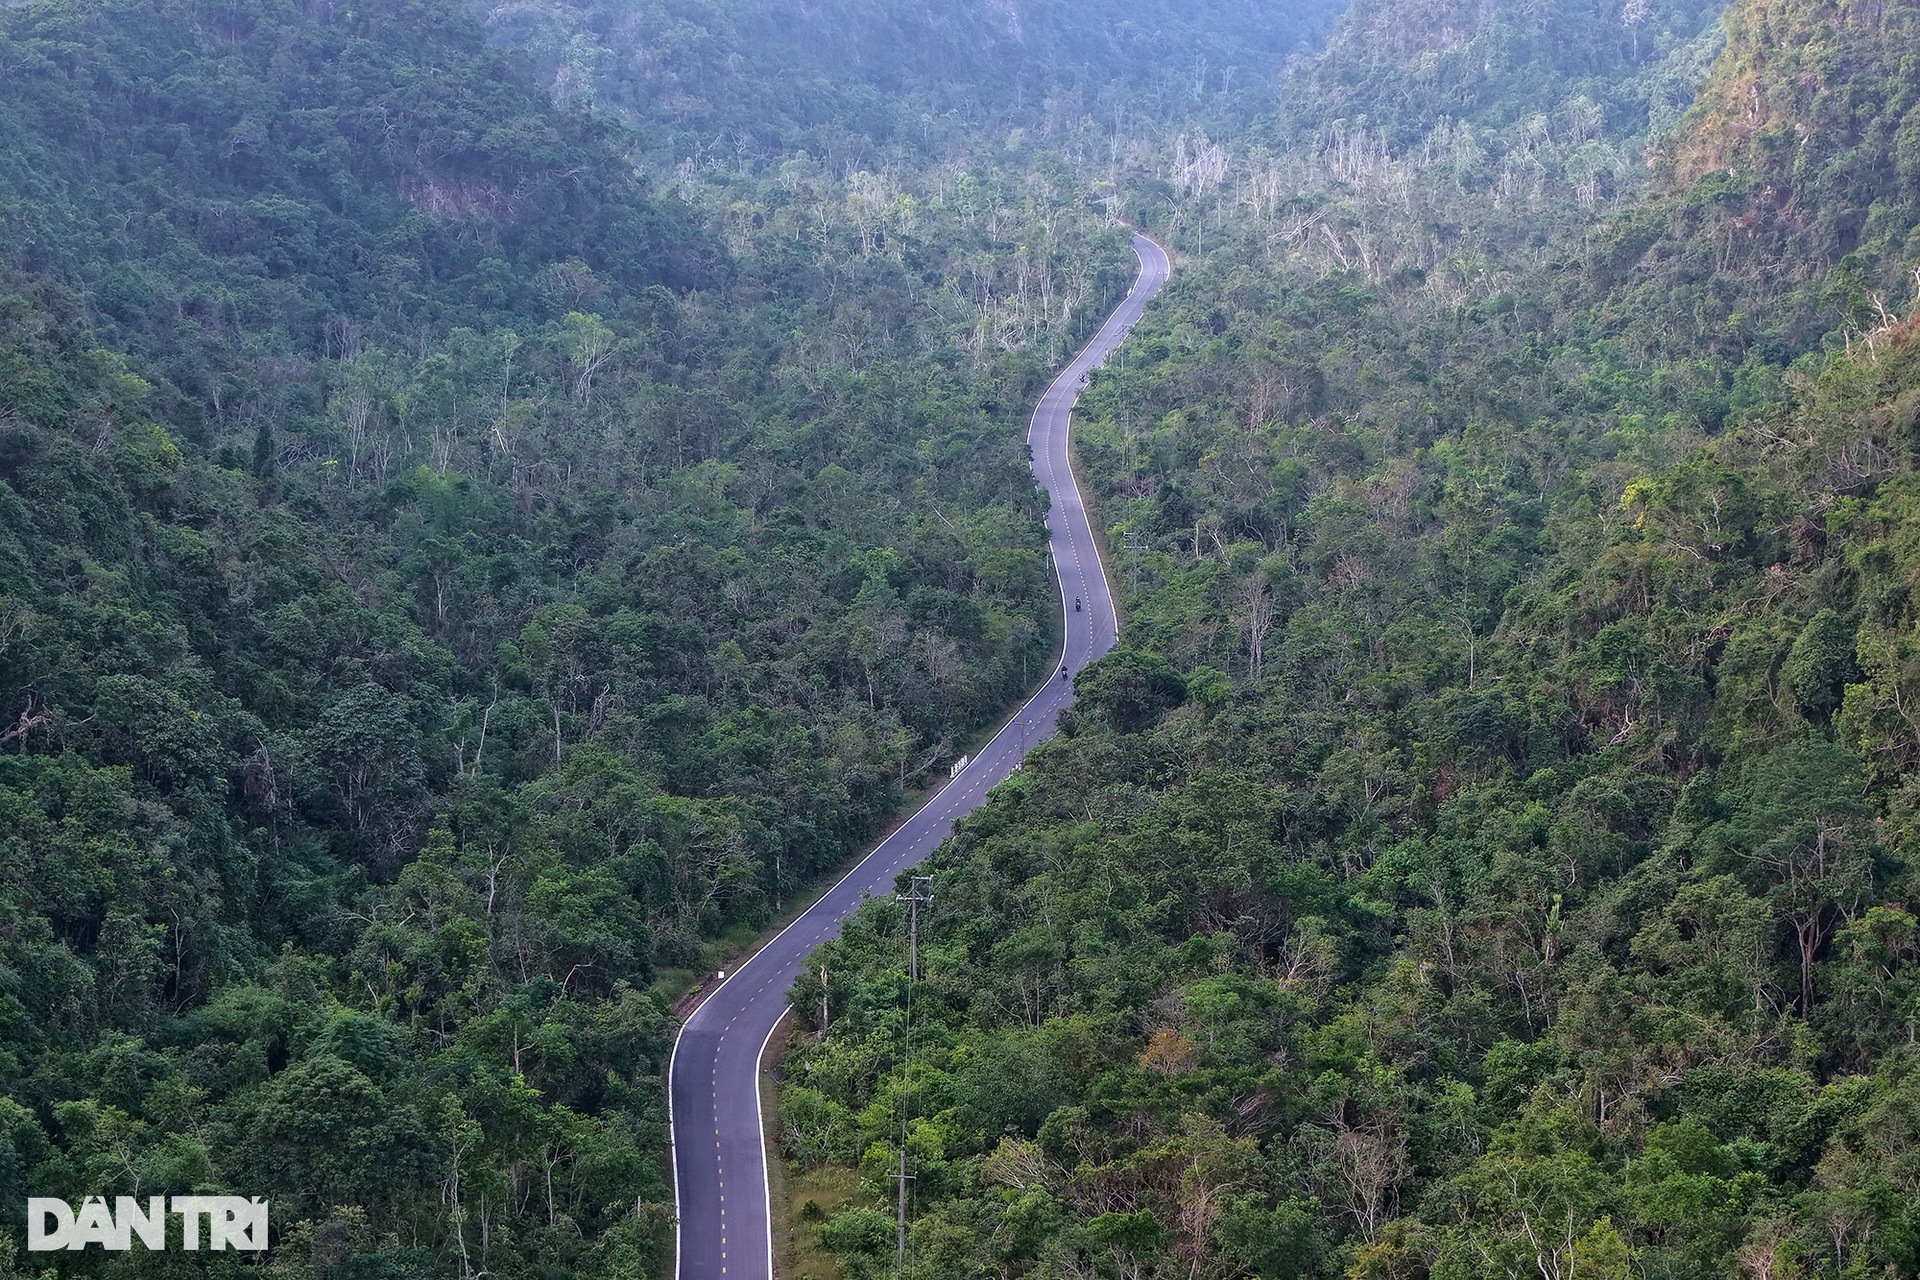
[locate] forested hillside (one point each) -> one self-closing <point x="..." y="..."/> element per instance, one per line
<point x="1405" y="68"/>
<point x="498" y="498"/>
<point x="1490" y="854"/>
<point x="874" y="83"/>
<point x="449" y="581"/>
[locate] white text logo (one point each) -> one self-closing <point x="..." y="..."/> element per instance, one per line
<point x="231" y="1222"/>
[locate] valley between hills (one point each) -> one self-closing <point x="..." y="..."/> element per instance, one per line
<point x="501" y="504"/>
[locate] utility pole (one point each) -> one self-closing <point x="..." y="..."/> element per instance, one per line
<point x="919" y="890"/>
<point x="1133" y="548"/>
<point x="913" y="897"/>
<point x="900" y="1225"/>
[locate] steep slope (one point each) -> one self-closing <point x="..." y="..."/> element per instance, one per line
<point x="1403" y="68"/>
<point x="745" y="81"/>
<point x="1815" y="116"/>
<point x="445" y="587"/>
<point x="1793" y="192"/>
<point x="259" y="178"/>
<point x="1492" y="855"/>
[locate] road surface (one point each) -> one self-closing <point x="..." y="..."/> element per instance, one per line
<point x="713" y="1080"/>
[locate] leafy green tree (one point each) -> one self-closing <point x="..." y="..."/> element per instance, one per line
<point x="1129" y="689"/>
<point x="1821" y="664"/>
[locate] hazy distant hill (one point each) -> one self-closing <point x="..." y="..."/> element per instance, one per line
<point x="1402" y="66"/>
<point x="723" y="76"/>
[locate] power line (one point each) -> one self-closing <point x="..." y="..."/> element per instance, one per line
<point x="913" y="897"/>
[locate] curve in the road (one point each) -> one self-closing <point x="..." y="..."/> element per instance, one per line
<point x="713" y="1079"/>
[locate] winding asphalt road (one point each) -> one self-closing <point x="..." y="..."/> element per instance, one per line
<point x="719" y="1158"/>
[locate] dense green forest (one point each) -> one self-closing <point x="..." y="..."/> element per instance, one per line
<point x="499" y="498"/>
<point x="1491" y="851"/>
<point x="452" y="581"/>
<point x="745" y="83"/>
